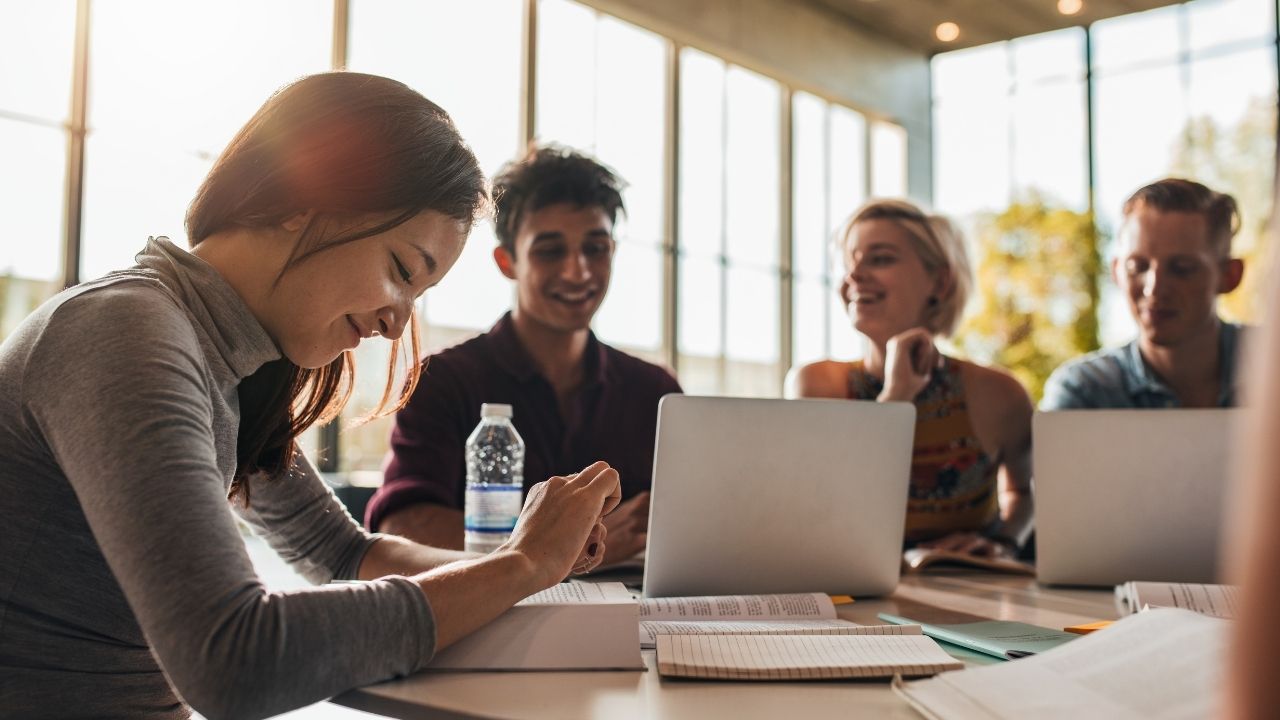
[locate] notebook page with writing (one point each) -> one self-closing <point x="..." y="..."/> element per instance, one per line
<point x="581" y="593"/>
<point x="800" y="657"/>
<point x="651" y="629"/>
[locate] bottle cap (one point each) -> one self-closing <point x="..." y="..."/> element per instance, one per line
<point x="495" y="410"/>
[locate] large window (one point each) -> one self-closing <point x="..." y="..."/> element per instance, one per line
<point x="829" y="182"/>
<point x="1195" y="97"/>
<point x="34" y="105"/>
<point x="1186" y="90"/>
<point x="601" y="88"/>
<point x="1009" y="125"/>
<point x="717" y="240"/>
<point x="166" y="93"/>
<point x="421" y="45"/>
<point x="729" y="228"/>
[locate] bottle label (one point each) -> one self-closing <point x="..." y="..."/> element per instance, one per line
<point x="492" y="508"/>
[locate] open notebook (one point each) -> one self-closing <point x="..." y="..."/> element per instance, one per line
<point x="802" y="657"/>
<point x="801" y="613"/>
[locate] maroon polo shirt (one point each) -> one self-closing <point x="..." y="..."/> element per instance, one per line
<point x="614" y="419"/>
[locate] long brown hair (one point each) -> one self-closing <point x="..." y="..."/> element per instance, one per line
<point x="341" y="145"/>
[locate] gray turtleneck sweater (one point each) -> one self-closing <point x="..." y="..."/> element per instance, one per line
<point x="125" y="589"/>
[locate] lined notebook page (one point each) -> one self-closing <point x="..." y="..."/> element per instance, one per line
<point x="804" y="657"/>
<point x="651" y="629"/>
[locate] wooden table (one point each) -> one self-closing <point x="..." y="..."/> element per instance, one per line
<point x="625" y="695"/>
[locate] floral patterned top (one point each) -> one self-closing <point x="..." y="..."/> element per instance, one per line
<point x="953" y="480"/>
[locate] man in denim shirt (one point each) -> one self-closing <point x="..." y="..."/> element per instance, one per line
<point x="1172" y="262"/>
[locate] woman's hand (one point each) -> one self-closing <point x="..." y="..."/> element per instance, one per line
<point x="910" y="358"/>
<point x="971" y="543"/>
<point x="561" y="529"/>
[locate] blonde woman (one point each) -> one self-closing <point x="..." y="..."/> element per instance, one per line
<point x="907" y="278"/>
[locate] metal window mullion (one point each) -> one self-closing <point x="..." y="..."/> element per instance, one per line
<point x="1183" y="62"/>
<point x="930" y="170"/>
<point x="1011" y="117"/>
<point x="868" y="167"/>
<point x="341" y="26"/>
<point x="671" y="211"/>
<point x="723" y="361"/>
<point x="330" y="451"/>
<point x="1090" y="131"/>
<point x="77" y="132"/>
<point x="528" y="76"/>
<point x="828" y="344"/>
<point x="595" y="84"/>
<point x="786" y="238"/>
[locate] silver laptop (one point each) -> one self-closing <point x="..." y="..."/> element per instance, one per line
<point x="1130" y="494"/>
<point x="777" y="496"/>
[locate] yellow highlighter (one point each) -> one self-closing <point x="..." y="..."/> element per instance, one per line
<point x="1087" y="628"/>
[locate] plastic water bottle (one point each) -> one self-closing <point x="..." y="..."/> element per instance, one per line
<point x="495" y="480"/>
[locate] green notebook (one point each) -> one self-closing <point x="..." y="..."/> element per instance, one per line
<point x="991" y="637"/>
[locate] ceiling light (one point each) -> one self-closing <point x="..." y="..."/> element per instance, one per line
<point x="1070" y="7"/>
<point x="947" y="31"/>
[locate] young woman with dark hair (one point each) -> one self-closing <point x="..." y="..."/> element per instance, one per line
<point x="140" y="410"/>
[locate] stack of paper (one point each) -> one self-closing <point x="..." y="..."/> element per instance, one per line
<point x="1212" y="600"/>
<point x="1165" y="663"/>
<point x="571" y="626"/>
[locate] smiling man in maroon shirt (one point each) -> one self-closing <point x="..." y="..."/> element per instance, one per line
<point x="576" y="400"/>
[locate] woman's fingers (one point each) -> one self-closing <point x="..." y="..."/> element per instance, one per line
<point x="593" y="551"/>
<point x="600" y="478"/>
<point x="921" y="352"/>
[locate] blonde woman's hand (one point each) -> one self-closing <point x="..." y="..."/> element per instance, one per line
<point x="910" y="358"/>
<point x="971" y="543"/>
<point x="561" y="529"/>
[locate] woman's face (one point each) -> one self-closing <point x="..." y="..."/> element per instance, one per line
<point x="330" y="301"/>
<point x="886" y="287"/>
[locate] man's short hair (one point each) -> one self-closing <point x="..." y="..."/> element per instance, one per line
<point x="546" y="176"/>
<point x="1220" y="211"/>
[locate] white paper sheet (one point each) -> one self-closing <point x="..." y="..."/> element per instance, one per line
<point x="1165" y="663"/>
<point x="1213" y="600"/>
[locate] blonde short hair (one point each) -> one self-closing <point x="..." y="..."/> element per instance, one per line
<point x="940" y="247"/>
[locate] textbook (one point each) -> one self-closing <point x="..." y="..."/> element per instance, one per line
<point x="570" y="626"/>
<point x="917" y="559"/>
<point x="801" y="657"/>
<point x="1213" y="600"/>
<point x="738" y="614"/>
<point x="1166" y="663"/>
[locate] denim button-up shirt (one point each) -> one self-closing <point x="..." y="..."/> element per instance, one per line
<point x="1121" y="378"/>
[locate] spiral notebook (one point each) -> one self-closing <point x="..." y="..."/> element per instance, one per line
<point x="801" y="657"/>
